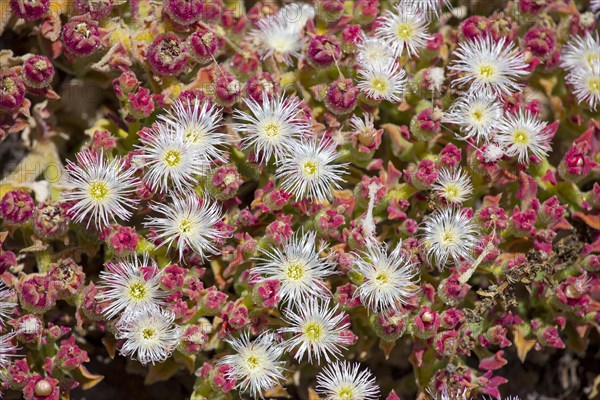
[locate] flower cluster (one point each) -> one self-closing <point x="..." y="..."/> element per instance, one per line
<point x="336" y="200"/>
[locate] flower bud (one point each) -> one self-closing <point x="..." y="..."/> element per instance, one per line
<point x="81" y="36"/>
<point x="12" y="91"/>
<point x="30" y="10"/>
<point x="7" y="259"/>
<point x="29" y="329"/>
<point x="211" y="301"/>
<point x="323" y="50"/>
<point x="38" y="72"/>
<point x="37" y="293"/>
<point x="49" y="220"/>
<point x="425" y="175"/>
<point x="224" y="182"/>
<point x="193" y="338"/>
<point x="98" y="9"/>
<point x="68" y="277"/>
<point x="451" y="291"/>
<point x="389" y="326"/>
<point x="202" y="46"/>
<point x="16" y="207"/>
<point x="40" y="388"/>
<point x="329" y="10"/>
<point x="341" y="96"/>
<point x="227" y="90"/>
<point x="351" y="37"/>
<point x="426" y="124"/>
<point x="365" y="11"/>
<point x="70" y="356"/>
<point x="166" y="55"/>
<point x="576" y="164"/>
<point x="445" y="343"/>
<point x="259" y="85"/>
<point x="183" y="12"/>
<point x="426" y="323"/>
<point x="265" y="293"/>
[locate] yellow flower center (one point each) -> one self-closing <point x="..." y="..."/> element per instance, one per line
<point x="252" y="362"/>
<point x="137" y="290"/>
<point x="98" y="191"/>
<point x="185" y="226"/>
<point x="272" y="130"/>
<point x="487" y="71"/>
<point x="593" y="84"/>
<point x="310" y="168"/>
<point x="345" y="393"/>
<point x="448" y="237"/>
<point x="405" y="30"/>
<point x="295" y="271"/>
<point x="172" y="158"/>
<point x="313" y="331"/>
<point x="148" y="333"/>
<point x="521" y="137"/>
<point x="194" y="134"/>
<point x="379" y="85"/>
<point x="382" y="278"/>
<point x="451" y="192"/>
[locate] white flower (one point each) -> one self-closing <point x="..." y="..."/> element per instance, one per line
<point x="477" y="115"/>
<point x="389" y="279"/>
<point x="199" y="123"/>
<point x="582" y="51"/>
<point x="453" y="185"/>
<point x="188" y="223"/>
<point x="493" y="152"/>
<point x="372" y="50"/>
<point x="595" y="7"/>
<point x="130" y="286"/>
<point x="383" y="82"/>
<point x="429" y="7"/>
<point x="150" y="335"/>
<point x="449" y="234"/>
<point x="100" y="189"/>
<point x="7" y="350"/>
<point x="308" y="170"/>
<point x="524" y="135"/>
<point x="298" y="267"/>
<point x="364" y="127"/>
<point x="275" y="36"/>
<point x="273" y="126"/>
<point x="171" y="160"/>
<point x="404" y="29"/>
<point x="317" y="329"/>
<point x="586" y="84"/>
<point x="489" y="67"/>
<point x="7" y="305"/>
<point x="343" y="381"/>
<point x="255" y="366"/>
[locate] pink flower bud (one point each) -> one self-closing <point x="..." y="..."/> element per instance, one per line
<point x="265" y="294"/>
<point x="38" y="72"/>
<point x="445" y="343"/>
<point x="12" y="91"/>
<point x="172" y="277"/>
<point x="344" y="296"/>
<point x="351" y="37"/>
<point x="141" y="103"/>
<point x="475" y="27"/>
<point x="220" y="378"/>
<point x="279" y="231"/>
<point x="30" y="10"/>
<point x="212" y="301"/>
<point x="497" y="336"/>
<point x="426" y="174"/>
<point x="323" y="50"/>
<point x="37" y="293"/>
<point x="329" y="10"/>
<point x="576" y="163"/>
<point x="235" y="316"/>
<point x="49" y="220"/>
<point x="227" y="90"/>
<point x="125" y="84"/>
<point x="451" y="291"/>
<point x="365" y="11"/>
<point x="224" y="182"/>
<point x="192" y="339"/>
<point x="341" y="96"/>
<point x="540" y="41"/>
<point x="259" y="85"/>
<point x="549" y="337"/>
<point x="29" y="329"/>
<point x="18" y="373"/>
<point x="40" y="388"/>
<point x="166" y="55"/>
<point x="522" y="223"/>
<point x="202" y="46"/>
<point x="16" y="207"/>
<point x="7" y="259"/>
<point x="426" y="323"/>
<point x="70" y="356"/>
<point x="98" y="9"/>
<point x="389" y="327"/>
<point x="426" y="124"/>
<point x="81" y="36"/>
<point x="68" y="277"/>
<point x="450" y="155"/>
<point x="183" y="12"/>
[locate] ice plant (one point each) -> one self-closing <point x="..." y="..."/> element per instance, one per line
<point x="187" y="223"/>
<point x="130" y="286"/>
<point x="389" y="278"/>
<point x="477" y="115"/>
<point x="524" y="135"/>
<point x="273" y="126"/>
<point x="343" y="380"/>
<point x="383" y="81"/>
<point x="199" y="122"/>
<point x="298" y="267"/>
<point x="454" y="186"/>
<point x="488" y="67"/>
<point x="449" y="234"/>
<point x="100" y="189"/>
<point x="317" y="330"/>
<point x="149" y="335"/>
<point x="7" y="305"/>
<point x="309" y="169"/>
<point x="276" y="36"/>
<point x="404" y="29"/>
<point x="256" y="364"/>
